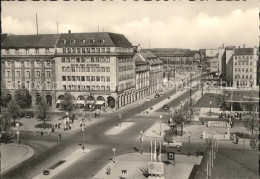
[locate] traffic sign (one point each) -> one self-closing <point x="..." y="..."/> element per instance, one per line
<point x="171" y="156"/>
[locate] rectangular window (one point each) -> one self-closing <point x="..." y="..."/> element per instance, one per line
<point x="64" y="50"/>
<point x="108" y="78"/>
<point x="98" y="69"/>
<point x="251" y="63"/>
<point x="48" y="85"/>
<point x="97" y="59"/>
<point x="97" y="78"/>
<point x="235" y="69"/>
<point x="78" y="50"/>
<point x="78" y="60"/>
<point x="88" y="50"/>
<point x="239" y="69"/>
<point x="108" y="50"/>
<point x="87" y="78"/>
<point x="63" y="69"/>
<point x="73" y="78"/>
<point x="103" y="50"/>
<point x="87" y="69"/>
<point x="83" y="60"/>
<point x="92" y="50"/>
<point x="28" y="74"/>
<point x="63" y="78"/>
<point x="93" y="69"/>
<point x="37" y="74"/>
<point x="93" y="88"/>
<point x="107" y="60"/>
<point x="77" y="69"/>
<point x="82" y="69"/>
<point x="235" y="63"/>
<point x="92" y="78"/>
<point x="102" y="88"/>
<point x="68" y="59"/>
<point x="91" y="41"/>
<point x="77" y="78"/>
<point x="82" y="78"/>
<point x="48" y="74"/>
<point x="8" y="73"/>
<point x="107" y="69"/>
<point x="102" y="78"/>
<point x="108" y="88"/>
<point x="69" y="50"/>
<point x="83" y="50"/>
<point x="92" y="60"/>
<point x="73" y="60"/>
<point x="73" y="69"/>
<point x="63" y="59"/>
<point x="87" y="88"/>
<point x="68" y="69"/>
<point x="250" y="69"/>
<point x="102" y="69"/>
<point x="48" y="63"/>
<point x="97" y="50"/>
<point x="98" y="88"/>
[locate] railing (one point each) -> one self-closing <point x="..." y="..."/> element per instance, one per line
<point x="218" y="124"/>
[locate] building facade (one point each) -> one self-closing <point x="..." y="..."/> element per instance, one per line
<point x="142" y="72"/>
<point x="96" y="68"/>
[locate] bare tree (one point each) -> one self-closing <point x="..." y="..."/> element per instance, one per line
<point x="68" y="102"/>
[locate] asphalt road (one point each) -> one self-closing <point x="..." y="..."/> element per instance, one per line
<point x="48" y="150"/>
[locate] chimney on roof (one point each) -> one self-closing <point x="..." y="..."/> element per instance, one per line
<point x="69" y="31"/>
<point x="244" y="45"/>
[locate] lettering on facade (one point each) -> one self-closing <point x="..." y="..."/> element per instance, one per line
<point x="83" y="65"/>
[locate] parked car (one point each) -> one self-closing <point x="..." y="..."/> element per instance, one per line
<point x="22" y="115"/>
<point x="46" y="172"/>
<point x="148" y="99"/>
<point x="162" y="93"/>
<point x="172" y="144"/>
<point x="29" y="115"/>
<point x="165" y="107"/>
<point x="157" y="95"/>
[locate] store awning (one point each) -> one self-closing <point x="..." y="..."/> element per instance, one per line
<point x="90" y="102"/>
<point x="99" y="102"/>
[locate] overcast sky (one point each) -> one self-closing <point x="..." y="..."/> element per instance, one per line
<point x="169" y="24"/>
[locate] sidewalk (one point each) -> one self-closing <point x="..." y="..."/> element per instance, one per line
<point x="63" y="164"/>
<point x="14" y="154"/>
<point x="137" y="166"/>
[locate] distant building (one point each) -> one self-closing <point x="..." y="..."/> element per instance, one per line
<point x="142" y="72"/>
<point x="156" y="71"/>
<point x="179" y="59"/>
<point x="214" y="65"/>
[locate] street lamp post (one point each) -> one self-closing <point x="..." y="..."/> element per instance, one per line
<point x="141" y="140"/>
<point x="210" y="108"/>
<point x="18" y="133"/>
<point x="181" y="105"/>
<point x="160" y="126"/>
<point x="114" y="151"/>
<point x="83" y="135"/>
<point x="189" y="143"/>
<point x="90" y="106"/>
<point x="120" y="118"/>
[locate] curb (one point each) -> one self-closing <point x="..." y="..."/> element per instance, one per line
<point x="23" y="158"/>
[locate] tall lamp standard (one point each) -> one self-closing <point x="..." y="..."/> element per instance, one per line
<point x="160" y="126"/>
<point x="189" y="143"/>
<point x="90" y="107"/>
<point x="141" y="140"/>
<point x="18" y="133"/>
<point x="114" y="151"/>
<point x="210" y="108"/>
<point x="83" y="135"/>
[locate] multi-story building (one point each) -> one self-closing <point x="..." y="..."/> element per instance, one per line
<point x="29" y="61"/>
<point x="142" y="69"/>
<point x="96" y="68"/>
<point x="155" y="73"/>
<point x="245" y="62"/>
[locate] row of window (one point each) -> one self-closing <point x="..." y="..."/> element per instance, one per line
<point x="28" y="63"/>
<point x="85" y="69"/>
<point x="125" y="59"/>
<point x="36" y="51"/>
<point x="28" y="74"/>
<point x="243" y="69"/>
<point x="27" y="85"/>
<point x="86" y="78"/>
<point x="126" y="77"/>
<point x="142" y="80"/>
<point x="243" y="57"/>
<point x="126" y="86"/>
<point x="243" y="63"/>
<point x="82" y="41"/>
<point x="243" y="76"/>
<point x="85" y="60"/>
<point x="85" y="88"/>
<point x="126" y="68"/>
<point x="86" y="50"/>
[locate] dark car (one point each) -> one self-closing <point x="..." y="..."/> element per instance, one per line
<point x="157" y="95"/>
<point x="29" y="115"/>
<point x="22" y="115"/>
<point x="165" y="107"/>
<point x="46" y="172"/>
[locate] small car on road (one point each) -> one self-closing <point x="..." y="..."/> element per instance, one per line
<point x="156" y="95"/>
<point x="172" y="144"/>
<point x="29" y="115"/>
<point x="165" y="107"/>
<point x="148" y="99"/>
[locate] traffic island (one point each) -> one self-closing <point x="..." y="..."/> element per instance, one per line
<point x="14" y="154"/>
<point x="134" y="165"/>
<point x="119" y="128"/>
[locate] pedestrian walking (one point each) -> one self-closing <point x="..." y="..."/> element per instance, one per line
<point x="34" y="133"/>
<point x="41" y="132"/>
<point x="108" y="170"/>
<point x="52" y="129"/>
<point x="59" y="137"/>
<point x="69" y="126"/>
<point x="80" y="124"/>
<point x="49" y="131"/>
<point x="114" y="159"/>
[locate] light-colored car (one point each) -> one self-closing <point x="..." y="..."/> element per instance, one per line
<point x="148" y="99"/>
<point x="172" y="144"/>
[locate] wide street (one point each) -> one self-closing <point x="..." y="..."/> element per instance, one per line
<point x="48" y="150"/>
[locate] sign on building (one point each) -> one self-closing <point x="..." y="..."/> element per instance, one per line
<point x="171" y="156"/>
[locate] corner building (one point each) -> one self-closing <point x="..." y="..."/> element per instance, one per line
<point x="96" y="68"/>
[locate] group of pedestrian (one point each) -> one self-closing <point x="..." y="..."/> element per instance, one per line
<point x="97" y="114"/>
<point x="235" y="139"/>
